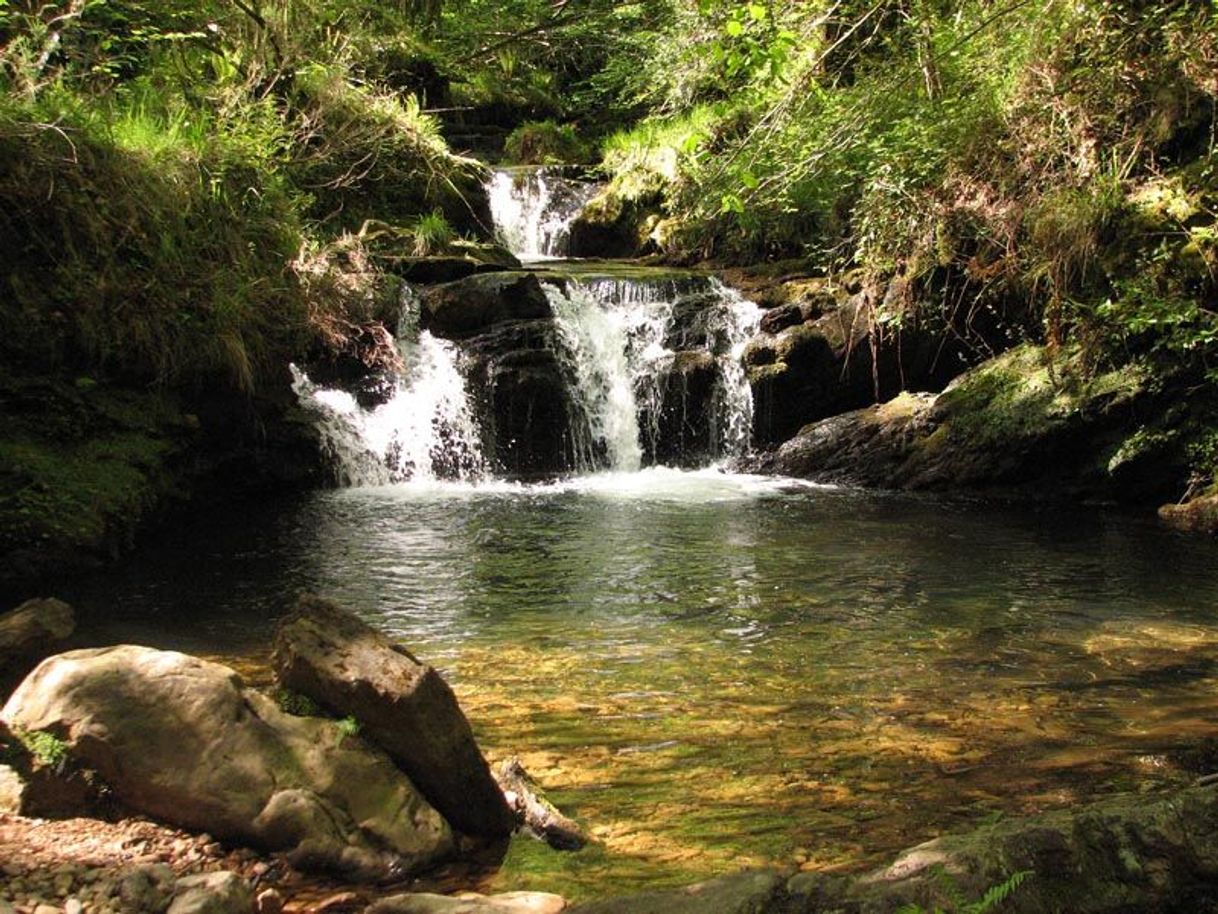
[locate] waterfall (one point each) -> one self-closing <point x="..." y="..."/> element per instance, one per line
<point x="620" y="336"/>
<point x="424" y="430"/>
<point x="647" y="370"/>
<point x="533" y="209"/>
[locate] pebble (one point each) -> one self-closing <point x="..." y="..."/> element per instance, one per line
<point x="269" y="901"/>
<point x="73" y="906"/>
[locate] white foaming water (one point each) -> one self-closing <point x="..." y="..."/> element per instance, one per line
<point x="425" y="431"/>
<point x="732" y="417"/>
<point x="609" y="348"/>
<point x="660" y="484"/>
<point x="616" y="339"/>
<point x="616" y="333"/>
<point x="533" y="210"/>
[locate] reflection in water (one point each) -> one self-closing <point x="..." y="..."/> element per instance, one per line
<point x="713" y="671"/>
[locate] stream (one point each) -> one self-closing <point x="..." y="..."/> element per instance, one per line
<point x="709" y="670"/>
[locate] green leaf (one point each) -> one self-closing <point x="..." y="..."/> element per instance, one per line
<point x="730" y="203"/>
<point x="734" y="28"/>
<point x="757" y="11"/>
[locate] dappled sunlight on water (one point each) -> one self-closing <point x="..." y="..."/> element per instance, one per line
<point x="714" y="671"/>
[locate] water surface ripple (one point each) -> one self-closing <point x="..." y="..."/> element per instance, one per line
<point x="714" y="671"/>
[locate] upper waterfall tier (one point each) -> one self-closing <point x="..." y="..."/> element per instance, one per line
<point x="572" y="371"/>
<point x="533" y="209"/>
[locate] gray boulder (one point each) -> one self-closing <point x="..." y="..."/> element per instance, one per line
<point x="182" y="741"/>
<point x="403" y="706"/>
<point x="29" y="633"/>
<point x="212" y="893"/>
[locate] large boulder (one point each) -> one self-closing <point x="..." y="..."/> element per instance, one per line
<point x="822" y="356"/>
<point x="402" y="705"/>
<point x="458" y="309"/>
<point x="29" y="633"/>
<point x="183" y="741"/>
<point x="1025" y="422"/>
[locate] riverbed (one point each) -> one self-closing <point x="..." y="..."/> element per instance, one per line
<point x="712" y="671"/>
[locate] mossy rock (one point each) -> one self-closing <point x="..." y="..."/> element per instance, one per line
<point x="1199" y="515"/>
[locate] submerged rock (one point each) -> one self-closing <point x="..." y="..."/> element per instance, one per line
<point x="470" y="903"/>
<point x="744" y="893"/>
<point x="1131" y="853"/>
<point x="30" y="633"/>
<point x="183" y="741"/>
<point x="402" y="705"/>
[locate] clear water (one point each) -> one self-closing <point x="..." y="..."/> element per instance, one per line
<point x="715" y="671"/>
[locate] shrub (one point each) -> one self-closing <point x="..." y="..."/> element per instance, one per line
<point x="546" y="143"/>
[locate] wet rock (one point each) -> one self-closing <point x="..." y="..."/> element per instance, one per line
<point x="462" y="263"/>
<point x="212" y="893"/>
<point x="532" y="807"/>
<point x="743" y="893"/>
<point x="402" y="705"/>
<point x="459" y="309"/>
<point x="780" y="318"/>
<point x="522" y="395"/>
<point x="30" y="633"/>
<point x="867" y="447"/>
<point x="676" y="427"/>
<point x="1016" y="423"/>
<point x="613" y="225"/>
<point x="819" y="366"/>
<point x="181" y="740"/>
<point x="488" y="255"/>
<point x="1200" y="515"/>
<point x="470" y="903"/>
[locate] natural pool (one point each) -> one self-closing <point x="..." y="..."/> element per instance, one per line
<point x="714" y="671"/>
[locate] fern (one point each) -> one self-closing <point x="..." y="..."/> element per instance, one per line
<point x="993" y="897"/>
<point x="997" y="894"/>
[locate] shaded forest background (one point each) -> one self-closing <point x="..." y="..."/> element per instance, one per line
<point x="193" y="194"/>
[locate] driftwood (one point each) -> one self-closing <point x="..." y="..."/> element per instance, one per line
<point x="536" y="813"/>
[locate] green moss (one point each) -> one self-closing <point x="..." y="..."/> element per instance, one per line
<point x="44" y="746"/>
<point x="1026" y="394"/>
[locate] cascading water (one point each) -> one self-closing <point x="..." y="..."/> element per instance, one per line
<point x="533" y="209"/>
<point x="623" y="347"/>
<point x="423" y="431"/>
<point x="621" y="341"/>
<point x="636" y="368"/>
